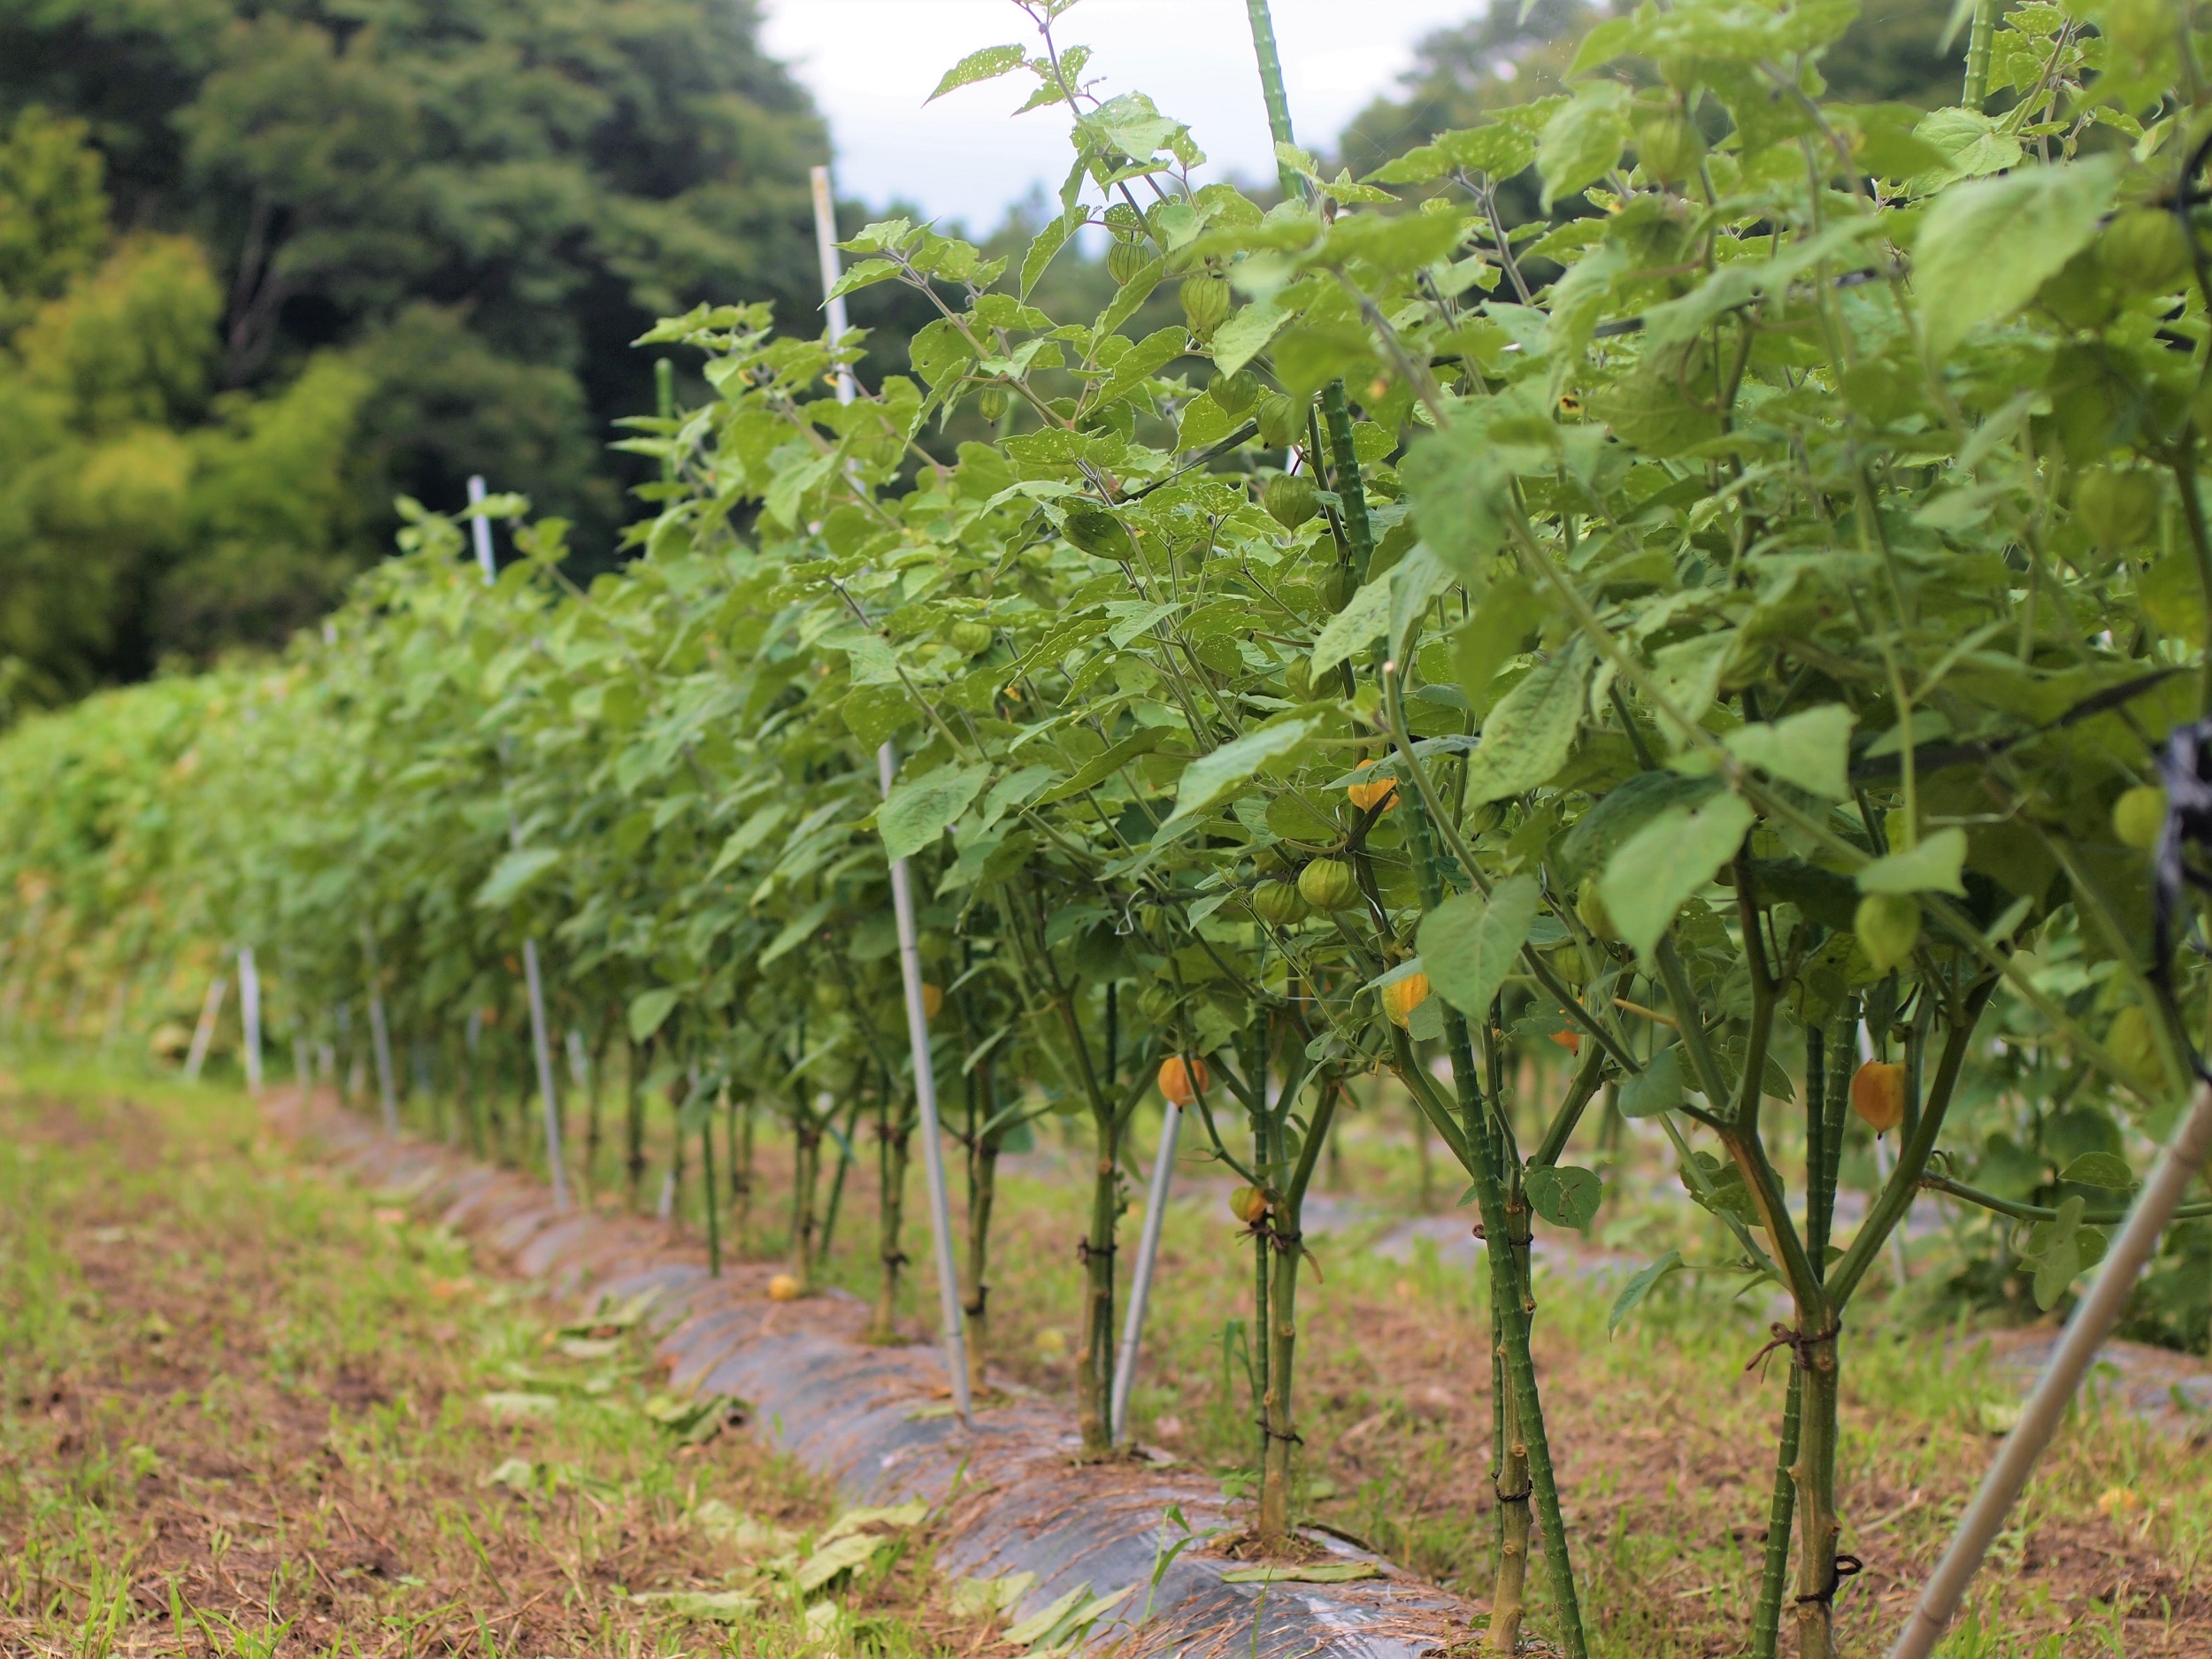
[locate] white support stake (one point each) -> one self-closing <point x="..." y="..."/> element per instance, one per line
<point x="480" y="533"/>
<point x="2093" y="1318"/>
<point x="380" y="1038"/>
<point x="902" y="904"/>
<point x="250" y="1009"/>
<point x="1147" y="1255"/>
<point x="542" y="1048"/>
<point x="203" y="1033"/>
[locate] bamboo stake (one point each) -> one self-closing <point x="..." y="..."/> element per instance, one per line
<point x="1140" y="1284"/>
<point x="902" y="904"/>
<point x="2093" y="1318"/>
<point x="249" y="1009"/>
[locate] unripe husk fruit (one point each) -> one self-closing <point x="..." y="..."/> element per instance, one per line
<point x="2117" y="506"/>
<point x="1877" y="1095"/>
<point x="1590" y="906"/>
<point x="991" y="404"/>
<point x="1291" y="499"/>
<point x="1338" y="587"/>
<point x="2146" y="250"/>
<point x="1282" y="421"/>
<point x="1249" y="1205"/>
<point x="1182" y="1081"/>
<point x="932" y="999"/>
<point x="1280" y="903"/>
<point x="1328" y="883"/>
<point x="1888" y="926"/>
<point x="2134" y="1042"/>
<point x="1400" y="997"/>
<point x="1205" y="303"/>
<point x="1234" y="393"/>
<point x="1669" y="147"/>
<point x="968" y="638"/>
<point x="2139" y="817"/>
<point x="1124" y="260"/>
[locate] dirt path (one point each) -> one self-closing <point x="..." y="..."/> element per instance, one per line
<point x="247" y="1409"/>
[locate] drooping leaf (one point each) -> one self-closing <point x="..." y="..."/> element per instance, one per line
<point x="1639" y="1288"/>
<point x="1564" y="1194"/>
<point x="1468" y="945"/>
<point x="1582" y="142"/>
<point x="1530" y="733"/>
<point x="1208" y="778"/>
<point x="1985" y="246"/>
<point x="649" y="1011"/>
<point x="1812" y="749"/>
<point x="516" y="874"/>
<point x="1657" y="1088"/>
<point x="1665" y="862"/>
<point x="920" y="810"/>
<point x="1931" y="866"/>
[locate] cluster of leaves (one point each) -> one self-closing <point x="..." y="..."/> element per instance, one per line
<point x="1755" y="642"/>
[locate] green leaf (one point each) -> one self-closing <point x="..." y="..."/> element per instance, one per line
<point x="987" y="64"/>
<point x="1469" y="946"/>
<point x="1639" y="1288"/>
<point x="1564" y="1195"/>
<point x="1688" y="673"/>
<point x="1529" y="735"/>
<point x="1987" y="245"/>
<point x="1667" y="861"/>
<point x="1042" y="249"/>
<point x="1245" y="335"/>
<point x="1582" y="142"/>
<point x="1414" y="580"/>
<point x="1104" y="765"/>
<point x="1309" y="356"/>
<point x="2099" y="1169"/>
<point x="1812" y="749"/>
<point x="917" y="812"/>
<point x="649" y="1011"/>
<point x="1657" y="1088"/>
<point x="843" y="1555"/>
<point x="1208" y="778"/>
<point x="514" y="875"/>
<point x="1367" y="617"/>
<point x="1932" y="866"/>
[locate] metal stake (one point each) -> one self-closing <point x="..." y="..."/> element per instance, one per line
<point x="902" y="904"/>
<point x="249" y="1007"/>
<point x="380" y="1038"/>
<point x="2093" y="1318"/>
<point x="1148" y="1254"/>
<point x="480" y="533"/>
<point x="543" y="1051"/>
<point x="203" y="1033"/>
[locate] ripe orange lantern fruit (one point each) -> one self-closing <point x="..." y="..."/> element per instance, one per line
<point x="1571" y="1041"/>
<point x="932" y="999"/>
<point x="1877" y="1095"/>
<point x="1248" y="1204"/>
<point x="1181" y="1080"/>
<point x="1400" y="997"/>
<point x="1366" y="796"/>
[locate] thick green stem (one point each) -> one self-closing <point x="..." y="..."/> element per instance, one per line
<point x="633" y="1123"/>
<point x="1284" y="1234"/>
<point x="1775" y="1570"/>
<point x="1979" y="35"/>
<point x="1813" y="1475"/>
<point x="1094" y="1361"/>
<point x="897" y="1138"/>
<point x="708" y="1190"/>
<point x="1527" y="1453"/>
<point x="983" y="1150"/>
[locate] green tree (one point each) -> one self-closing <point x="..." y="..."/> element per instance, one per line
<point x="492" y="199"/>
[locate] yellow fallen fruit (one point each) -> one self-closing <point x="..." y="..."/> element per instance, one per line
<point x="783" y="1287"/>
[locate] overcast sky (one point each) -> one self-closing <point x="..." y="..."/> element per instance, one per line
<point x="872" y="62"/>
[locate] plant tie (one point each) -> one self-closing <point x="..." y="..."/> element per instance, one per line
<point x="1085" y="1249"/>
<point x="1800" y="1345"/>
<point x="1844" y="1566"/>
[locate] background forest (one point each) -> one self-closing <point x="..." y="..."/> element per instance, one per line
<point x="265" y="268"/>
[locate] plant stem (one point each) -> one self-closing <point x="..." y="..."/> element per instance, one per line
<point x="897" y="1136"/>
<point x="707" y="1189"/>
<point x="1527" y="1453"/>
<point x="983" y="1150"/>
